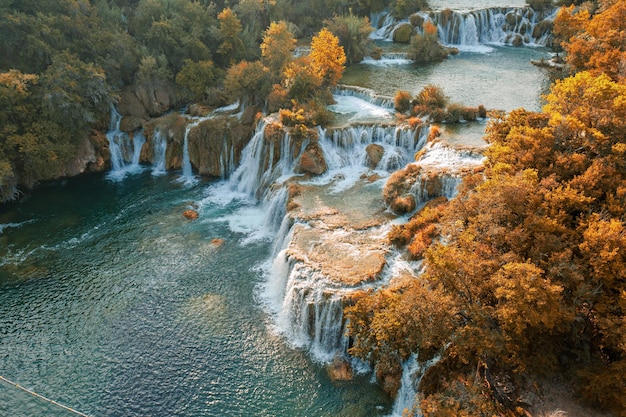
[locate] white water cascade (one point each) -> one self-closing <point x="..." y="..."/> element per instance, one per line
<point x="125" y="152"/>
<point x="306" y="303"/>
<point x="412" y="373"/>
<point x="365" y="94"/>
<point x="187" y="177"/>
<point x="159" y="149"/>
<point x="472" y="30"/>
<point x="442" y="170"/>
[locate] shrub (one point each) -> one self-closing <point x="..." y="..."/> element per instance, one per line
<point x="469" y="113"/>
<point x="376" y="53"/>
<point x="431" y="96"/>
<point x="426" y="48"/>
<point x="277" y="98"/>
<point x="403" y="33"/>
<point x="402" y="101"/>
<point x="454" y="113"/>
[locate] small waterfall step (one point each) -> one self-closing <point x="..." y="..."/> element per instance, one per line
<point x="125" y="152"/>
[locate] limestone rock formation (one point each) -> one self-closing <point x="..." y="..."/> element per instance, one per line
<point x="139" y="102"/>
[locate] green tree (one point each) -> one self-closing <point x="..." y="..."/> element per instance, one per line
<point x="354" y="35"/>
<point x="75" y="94"/>
<point x="425" y="47"/>
<point x="231" y="48"/>
<point x="249" y="82"/>
<point x="277" y="48"/>
<point x="197" y="77"/>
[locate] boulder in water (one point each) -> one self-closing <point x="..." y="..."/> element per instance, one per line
<point x="375" y="153"/>
<point x="339" y="369"/>
<point x="190" y="214"/>
<point x="311" y="160"/>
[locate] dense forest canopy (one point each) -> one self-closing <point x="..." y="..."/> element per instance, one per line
<point x="63" y="63"/>
<point x="525" y="269"/>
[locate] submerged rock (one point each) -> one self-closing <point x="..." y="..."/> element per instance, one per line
<point x="190" y="214"/>
<point x="340" y="369"/>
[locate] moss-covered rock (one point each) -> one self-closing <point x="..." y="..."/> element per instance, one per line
<point x="403" y="33"/>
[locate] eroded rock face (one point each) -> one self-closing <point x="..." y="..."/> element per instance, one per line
<point x="145" y="100"/>
<point x="216" y="144"/>
<point x="311" y="160"/>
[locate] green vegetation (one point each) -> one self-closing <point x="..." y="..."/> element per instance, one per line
<point x="425" y="47"/>
<point x="524" y="270"/>
<point x="431" y="102"/>
<point x="64" y="63"/>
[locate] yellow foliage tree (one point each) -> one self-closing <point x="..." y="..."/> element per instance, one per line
<point x="327" y="58"/>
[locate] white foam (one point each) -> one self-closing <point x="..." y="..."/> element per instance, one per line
<point x="359" y="109"/>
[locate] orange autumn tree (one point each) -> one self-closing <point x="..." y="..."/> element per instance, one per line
<point x="531" y="265"/>
<point x="595" y="44"/>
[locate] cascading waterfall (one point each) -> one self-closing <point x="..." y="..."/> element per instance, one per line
<point x="125" y="152"/>
<point x="412" y="373"/>
<point x="345" y="150"/>
<point x="442" y="172"/>
<point x="188" y="178"/>
<point x="246" y="178"/>
<point x="311" y="315"/>
<point x="159" y="149"/>
<point x="308" y="307"/>
<point x="476" y="28"/>
<point x="138" y="141"/>
<point x="364" y="94"/>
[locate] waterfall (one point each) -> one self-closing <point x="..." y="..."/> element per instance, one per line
<point x="412" y="374"/>
<point x="364" y="94"/>
<point x="442" y="171"/>
<point x="246" y="178"/>
<point x="159" y="149"/>
<point x="125" y="152"/>
<point x="138" y="141"/>
<point x="473" y="29"/>
<point x="388" y="59"/>
<point x="187" y="177"/>
<point x="311" y="315"/>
